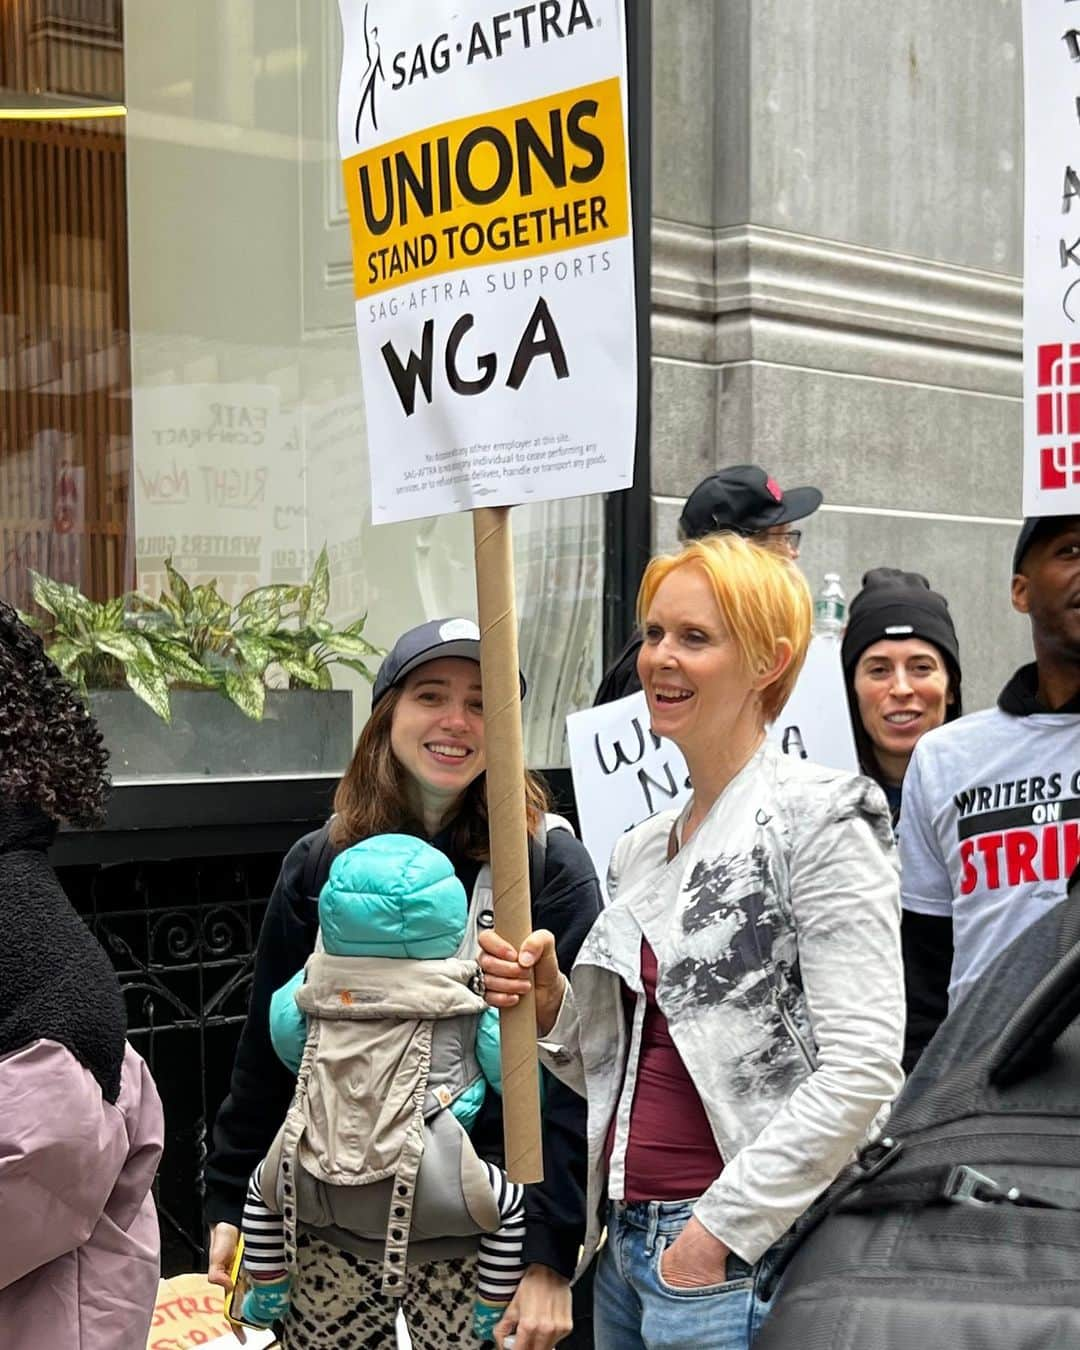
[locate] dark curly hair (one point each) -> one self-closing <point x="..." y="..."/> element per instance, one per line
<point x="51" y="755"/>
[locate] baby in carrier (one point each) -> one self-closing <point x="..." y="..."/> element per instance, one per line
<point x="394" y="1051"/>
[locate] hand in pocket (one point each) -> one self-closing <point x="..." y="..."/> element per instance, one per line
<point x="695" y="1259"/>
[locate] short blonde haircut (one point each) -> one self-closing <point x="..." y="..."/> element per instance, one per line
<point x="762" y="598"/>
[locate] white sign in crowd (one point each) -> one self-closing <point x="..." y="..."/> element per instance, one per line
<point x="485" y="161"/>
<point x="623" y="773"/>
<point x="1051" y="257"/>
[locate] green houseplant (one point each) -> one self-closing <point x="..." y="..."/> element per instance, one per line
<point x="191" y="637"/>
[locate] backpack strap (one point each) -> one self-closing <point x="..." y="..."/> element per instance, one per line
<point x="963" y="1184"/>
<point x="483" y="917"/>
<point x="399" y="1224"/>
<point x="320" y="855"/>
<point x="292" y="1132"/>
<point x="1051" y="1007"/>
<point x="537" y="859"/>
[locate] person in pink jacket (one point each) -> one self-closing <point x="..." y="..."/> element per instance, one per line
<point x="81" y="1125"/>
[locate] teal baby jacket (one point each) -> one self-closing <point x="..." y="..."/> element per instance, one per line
<point x="396" y="896"/>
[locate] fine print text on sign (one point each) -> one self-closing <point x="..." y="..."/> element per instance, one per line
<point x="623" y="773"/>
<point x="1051" y="257"/>
<point x="485" y="167"/>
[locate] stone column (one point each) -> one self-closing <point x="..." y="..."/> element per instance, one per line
<point x="837" y="248"/>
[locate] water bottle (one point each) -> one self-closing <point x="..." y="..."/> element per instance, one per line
<point x="830" y="608"/>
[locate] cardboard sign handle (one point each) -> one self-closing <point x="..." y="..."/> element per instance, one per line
<point x="508" y="828"/>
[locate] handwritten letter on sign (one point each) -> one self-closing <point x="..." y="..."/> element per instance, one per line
<point x="623" y="773"/>
<point x="1051" y="257"/>
<point x="486" y="173"/>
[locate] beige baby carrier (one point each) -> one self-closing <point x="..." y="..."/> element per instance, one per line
<point x="370" y="1154"/>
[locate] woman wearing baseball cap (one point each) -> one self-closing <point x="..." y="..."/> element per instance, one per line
<point x="901" y="664"/>
<point x="418" y="768"/>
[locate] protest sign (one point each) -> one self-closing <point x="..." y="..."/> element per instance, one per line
<point x="189" y="1312"/>
<point x="1051" y="257"/>
<point x="815" y="722"/>
<point x="485" y="165"/>
<point x="623" y="773"/>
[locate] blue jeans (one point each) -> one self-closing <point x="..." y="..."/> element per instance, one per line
<point x="635" y="1310"/>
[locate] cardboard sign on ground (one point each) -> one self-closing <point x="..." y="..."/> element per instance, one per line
<point x="189" y="1312"/>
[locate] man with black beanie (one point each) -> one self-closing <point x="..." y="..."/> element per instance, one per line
<point x="990" y="827"/>
<point x="745" y="500"/>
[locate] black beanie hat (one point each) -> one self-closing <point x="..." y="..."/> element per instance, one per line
<point x="895" y="604"/>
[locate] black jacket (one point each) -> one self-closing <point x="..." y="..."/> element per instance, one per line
<point x="56" y="983"/>
<point x="262" y="1088"/>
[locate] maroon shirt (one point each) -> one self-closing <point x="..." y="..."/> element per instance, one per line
<point x="670" y="1153"/>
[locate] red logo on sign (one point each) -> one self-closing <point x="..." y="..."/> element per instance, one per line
<point x="1057" y="415"/>
<point x="774" y="487"/>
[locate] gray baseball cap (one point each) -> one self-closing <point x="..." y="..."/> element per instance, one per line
<point x="428" y="642"/>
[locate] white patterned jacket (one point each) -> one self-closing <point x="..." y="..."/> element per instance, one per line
<point x="777" y="936"/>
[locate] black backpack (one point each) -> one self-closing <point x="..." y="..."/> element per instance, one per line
<point x="960" y="1228"/>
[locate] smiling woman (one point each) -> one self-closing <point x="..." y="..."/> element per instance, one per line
<point x="901" y="664"/>
<point x="714" y="666"/>
<point x="735" y="1017"/>
<point x="418" y="769"/>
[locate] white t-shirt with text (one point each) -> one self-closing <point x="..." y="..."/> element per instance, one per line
<point x="990" y="828"/>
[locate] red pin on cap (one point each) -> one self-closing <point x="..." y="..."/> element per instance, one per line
<point x="774" y="487"/>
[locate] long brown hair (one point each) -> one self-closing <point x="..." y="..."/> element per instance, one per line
<point x="372" y="797"/>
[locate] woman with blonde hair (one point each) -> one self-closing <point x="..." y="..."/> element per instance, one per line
<point x="735" y="1017"/>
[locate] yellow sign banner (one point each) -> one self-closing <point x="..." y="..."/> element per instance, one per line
<point x="495" y="187"/>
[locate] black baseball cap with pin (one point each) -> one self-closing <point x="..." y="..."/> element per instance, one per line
<point x="746" y="500"/>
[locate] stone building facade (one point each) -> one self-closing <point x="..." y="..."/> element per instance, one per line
<point x="837" y="242"/>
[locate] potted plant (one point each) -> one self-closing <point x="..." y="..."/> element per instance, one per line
<point x="210" y="668"/>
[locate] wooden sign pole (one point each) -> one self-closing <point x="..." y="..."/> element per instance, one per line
<point x="508" y="828"/>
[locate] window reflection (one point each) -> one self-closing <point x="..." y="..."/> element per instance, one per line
<point x="178" y="366"/>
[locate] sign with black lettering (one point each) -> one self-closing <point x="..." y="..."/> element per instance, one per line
<point x="1051" y="257"/>
<point x="623" y="773"/>
<point x="485" y="164"/>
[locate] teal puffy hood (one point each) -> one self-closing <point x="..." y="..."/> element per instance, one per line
<point x="393" y="895"/>
<point x="396" y="896"/>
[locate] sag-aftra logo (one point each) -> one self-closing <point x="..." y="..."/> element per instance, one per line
<point x="519" y="29"/>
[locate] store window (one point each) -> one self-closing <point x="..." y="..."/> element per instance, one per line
<point x="179" y="385"/>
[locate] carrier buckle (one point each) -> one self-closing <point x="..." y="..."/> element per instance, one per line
<point x="966" y="1186"/>
<point x="874" y="1159"/>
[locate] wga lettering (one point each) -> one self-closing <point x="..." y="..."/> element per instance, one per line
<point x="540" y="338"/>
